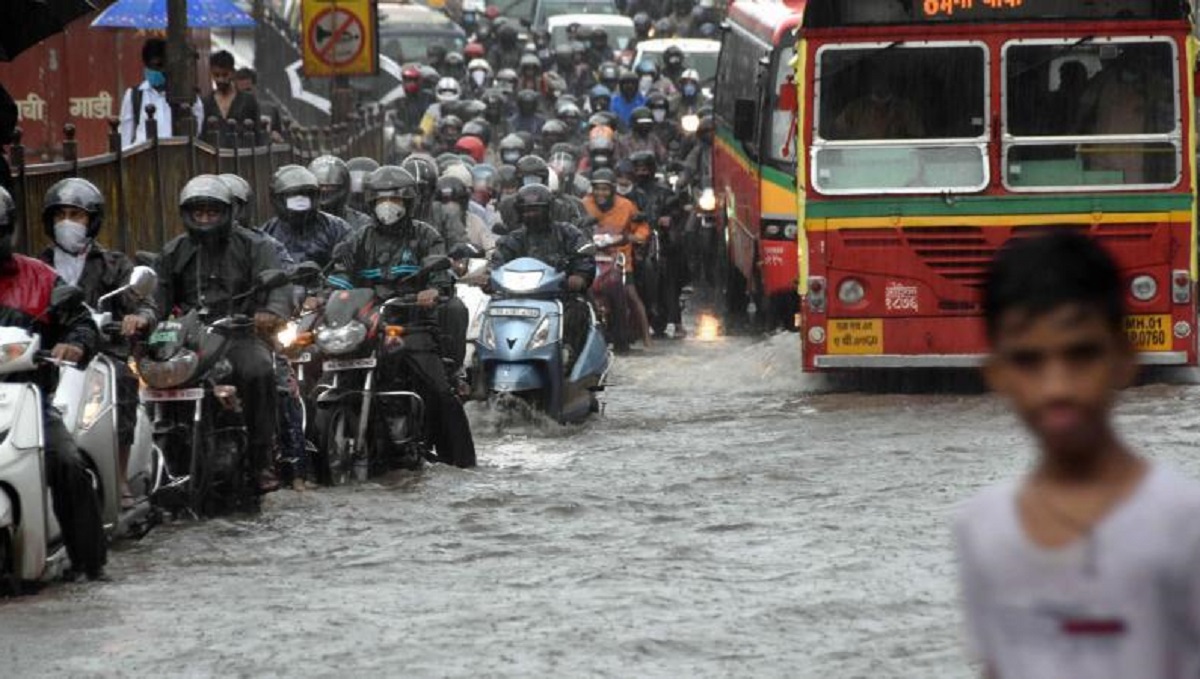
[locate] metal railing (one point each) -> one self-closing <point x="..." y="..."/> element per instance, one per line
<point x="141" y="183"/>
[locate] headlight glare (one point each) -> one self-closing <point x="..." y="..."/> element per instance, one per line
<point x="343" y="339"/>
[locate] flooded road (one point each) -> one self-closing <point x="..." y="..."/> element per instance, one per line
<point x="728" y="517"/>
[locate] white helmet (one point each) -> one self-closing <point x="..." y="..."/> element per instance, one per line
<point x="448" y="89"/>
<point x="480" y="65"/>
<point x="461" y="173"/>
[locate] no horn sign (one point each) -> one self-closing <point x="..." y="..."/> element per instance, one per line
<point x="339" y="37"/>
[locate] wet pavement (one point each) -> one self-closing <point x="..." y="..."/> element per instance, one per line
<point x="727" y="518"/>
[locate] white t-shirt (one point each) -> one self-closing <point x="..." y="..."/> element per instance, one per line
<point x="1122" y="604"/>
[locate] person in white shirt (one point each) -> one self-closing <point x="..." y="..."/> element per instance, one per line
<point x="151" y="91"/>
<point x="1089" y="567"/>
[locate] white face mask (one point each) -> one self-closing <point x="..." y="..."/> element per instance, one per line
<point x="478" y="77"/>
<point x="645" y="84"/>
<point x="299" y="203"/>
<point x="389" y="213"/>
<point x="71" y="237"/>
<point x="659" y="115"/>
<point x="624" y="189"/>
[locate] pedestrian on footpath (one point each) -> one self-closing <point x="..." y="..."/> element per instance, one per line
<point x="1089" y="565"/>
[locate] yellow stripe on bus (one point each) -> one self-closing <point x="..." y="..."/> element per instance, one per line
<point x="892" y="221"/>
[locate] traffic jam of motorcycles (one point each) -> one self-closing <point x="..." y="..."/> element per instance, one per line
<point x="538" y="215"/>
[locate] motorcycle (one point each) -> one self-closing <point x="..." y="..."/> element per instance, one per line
<point x="198" y="418"/>
<point x="521" y="349"/>
<point x="608" y="289"/>
<point x="87" y="399"/>
<point x="356" y="334"/>
<point x="31" y="544"/>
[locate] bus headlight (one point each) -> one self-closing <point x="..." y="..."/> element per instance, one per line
<point x="1143" y="288"/>
<point x="851" y="292"/>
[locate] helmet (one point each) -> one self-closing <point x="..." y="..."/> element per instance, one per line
<point x="562" y="162"/>
<point x="453" y="190"/>
<point x="460" y="172"/>
<point x="599" y="92"/>
<point x="641" y="24"/>
<point x="243" y="195"/>
<point x="454" y="61"/>
<point x="450" y="127"/>
<point x="598" y="38"/>
<point x="478" y="128"/>
<point x="628" y="76"/>
<point x="78" y="193"/>
<point x="480" y="65"/>
<point x="529" y="62"/>
<point x="506" y="79"/>
<point x="608" y="75"/>
<point x="446" y="160"/>
<point x="646" y="67"/>
<point x="657" y="101"/>
<point x="553" y="131"/>
<point x="290" y="183"/>
<point x="390" y="181"/>
<point x="471" y="146"/>
<point x="424" y="172"/>
<point x="472" y="108"/>
<point x="429" y="77"/>
<point x="483" y="172"/>
<point x="533" y="170"/>
<point x="707" y="30"/>
<point x="207" y="191"/>
<point x="600" y="151"/>
<point x="448" y="89"/>
<point x="690" y="74"/>
<point x="410" y="77"/>
<point x="359" y="168"/>
<point x="641" y="118"/>
<point x="664" y="28"/>
<point x="506" y="177"/>
<point x="475" y="50"/>
<point x="435" y="53"/>
<point x="533" y="205"/>
<point x="673" y="58"/>
<point x="644" y="163"/>
<point x="512" y="148"/>
<point x="564" y="55"/>
<point x="604" y="176"/>
<point x="527" y="101"/>
<point x="333" y="180"/>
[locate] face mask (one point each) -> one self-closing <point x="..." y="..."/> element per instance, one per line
<point x="689" y="91"/>
<point x="659" y="115"/>
<point x="71" y="237"/>
<point x="156" y="79"/>
<point x="223" y="86"/>
<point x="478" y="77"/>
<point x="510" y="157"/>
<point x="624" y="189"/>
<point x="645" y="83"/>
<point x="299" y="203"/>
<point x="389" y="213"/>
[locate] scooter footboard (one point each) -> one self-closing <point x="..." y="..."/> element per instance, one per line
<point x="511" y="378"/>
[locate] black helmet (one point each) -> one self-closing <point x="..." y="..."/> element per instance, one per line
<point x="453" y="190"/>
<point x="527" y="101"/>
<point x="450" y="127"/>
<point x="641" y="24"/>
<point x="435" y="53"/>
<point x="333" y="180"/>
<point x="455" y="61"/>
<point x="598" y="38"/>
<point x="207" y="191"/>
<point x="390" y="181"/>
<point x="657" y="101"/>
<point x="553" y="132"/>
<point x="533" y="170"/>
<point x="533" y="206"/>
<point x="471" y="108"/>
<point x="609" y="74"/>
<point x="290" y="182"/>
<point x="77" y="193"/>
<point x="644" y="160"/>
<point x="564" y="55"/>
<point x="673" y="59"/>
<point x="641" y="117"/>
<point x="424" y="171"/>
<point x="243" y="195"/>
<point x="628" y="77"/>
<point x="506" y="79"/>
<point x="530" y="62"/>
<point x="600" y="151"/>
<point x="512" y="147"/>
<point x="479" y="128"/>
<point x="604" y="176"/>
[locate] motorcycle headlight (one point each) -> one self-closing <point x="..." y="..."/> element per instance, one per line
<point x="287" y="336"/>
<point x="170" y="373"/>
<point x="690" y="123"/>
<point x="541" y="335"/>
<point x="707" y="200"/>
<point x="95" y="398"/>
<point x="13" y="351"/>
<point x="343" y="339"/>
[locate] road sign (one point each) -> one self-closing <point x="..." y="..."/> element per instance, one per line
<point x="340" y="38"/>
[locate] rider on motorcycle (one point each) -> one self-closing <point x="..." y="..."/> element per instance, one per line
<point x="658" y="203"/>
<point x="26" y="287"/>
<point x="558" y="244"/>
<point x="205" y="268"/>
<point x="333" y="178"/>
<point x="308" y="233"/>
<point x="396" y="245"/>
<point x="533" y="170"/>
<point x="641" y="137"/>
<point x="619" y="217"/>
<point x="72" y="215"/>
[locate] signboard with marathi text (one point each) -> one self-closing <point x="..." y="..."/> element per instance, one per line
<point x="340" y="38"/>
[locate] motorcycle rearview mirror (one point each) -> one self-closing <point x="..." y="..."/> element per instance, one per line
<point x="143" y="281"/>
<point x="272" y="278"/>
<point x="66" y="297"/>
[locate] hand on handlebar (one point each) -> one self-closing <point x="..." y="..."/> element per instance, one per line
<point x="67" y="353"/>
<point x="427" y="299"/>
<point x="133" y="325"/>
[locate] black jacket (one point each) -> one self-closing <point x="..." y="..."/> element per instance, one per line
<point x="375" y="257"/>
<point x="566" y="209"/>
<point x="314" y="242"/>
<point x="193" y="275"/>
<point x="558" y="246"/>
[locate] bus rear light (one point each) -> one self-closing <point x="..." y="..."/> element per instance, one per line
<point x="851" y="291"/>
<point x="816" y="294"/>
<point x="1181" y="287"/>
<point x="816" y="335"/>
<point x="1183" y="330"/>
<point x="1143" y="288"/>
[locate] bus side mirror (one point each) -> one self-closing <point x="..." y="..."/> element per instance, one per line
<point x="744" y="113"/>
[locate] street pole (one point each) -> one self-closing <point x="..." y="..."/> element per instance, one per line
<point x="181" y="69"/>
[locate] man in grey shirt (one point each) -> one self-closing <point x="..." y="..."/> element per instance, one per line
<point x="1089" y="566"/>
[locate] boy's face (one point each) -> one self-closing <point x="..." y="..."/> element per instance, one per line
<point x="1061" y="371"/>
<point x="222" y="78"/>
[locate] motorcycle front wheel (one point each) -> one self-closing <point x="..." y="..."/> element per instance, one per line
<point x="337" y="458"/>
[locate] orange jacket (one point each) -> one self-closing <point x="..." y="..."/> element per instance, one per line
<point x="621" y="219"/>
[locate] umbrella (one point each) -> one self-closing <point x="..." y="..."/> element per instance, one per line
<point x="28" y="22"/>
<point x="152" y="14"/>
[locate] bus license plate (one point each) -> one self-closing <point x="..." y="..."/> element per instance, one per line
<point x="156" y="395"/>
<point x="1150" y="333"/>
<point x="349" y="364"/>
<point x="856" y="337"/>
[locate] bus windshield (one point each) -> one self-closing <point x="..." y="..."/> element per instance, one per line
<point x="1086" y="114"/>
<point x="902" y="119"/>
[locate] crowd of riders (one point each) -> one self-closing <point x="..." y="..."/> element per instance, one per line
<point x="509" y="149"/>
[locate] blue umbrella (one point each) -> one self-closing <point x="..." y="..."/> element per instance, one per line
<point x="151" y="14"/>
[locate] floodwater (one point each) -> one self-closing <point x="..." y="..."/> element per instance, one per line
<point x="728" y="517"/>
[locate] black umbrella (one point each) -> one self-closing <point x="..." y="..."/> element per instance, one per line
<point x="28" y="22"/>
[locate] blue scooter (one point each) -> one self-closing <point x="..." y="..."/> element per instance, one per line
<point x="521" y="351"/>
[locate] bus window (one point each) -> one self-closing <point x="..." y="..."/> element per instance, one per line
<point x="781" y="146"/>
<point x="738" y="99"/>
<point x="1090" y="114"/>
<point x="898" y="119"/>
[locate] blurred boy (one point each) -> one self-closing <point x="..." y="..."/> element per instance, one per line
<point x="1090" y="565"/>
